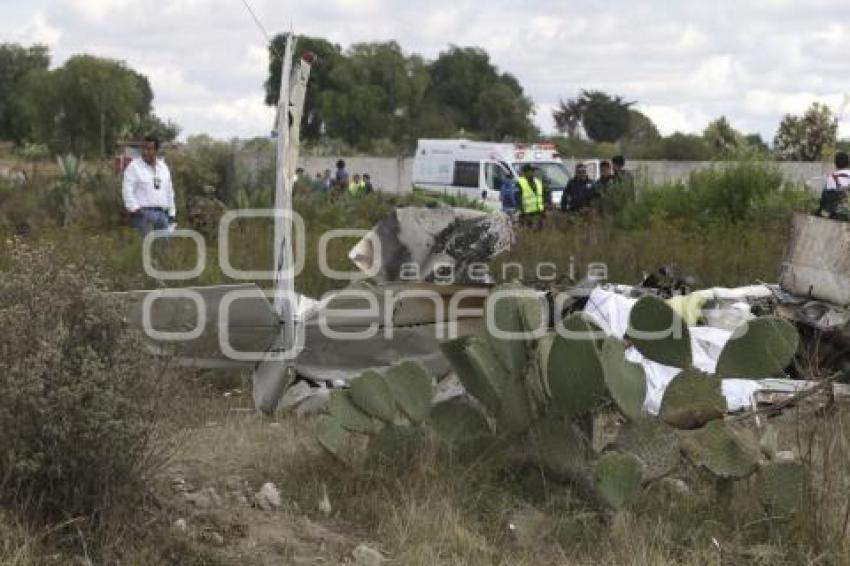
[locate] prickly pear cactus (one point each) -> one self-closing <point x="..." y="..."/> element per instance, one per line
<point x="759" y="348"/>
<point x="721" y="450"/>
<point x="348" y="415"/>
<point x="412" y="389"/>
<point x="333" y="437"/>
<point x="655" y="444"/>
<point x="457" y="421"/>
<point x="531" y="400"/>
<point x="556" y="445"/>
<point x="477" y="366"/>
<point x="692" y="399"/>
<point x="659" y="333"/>
<point x="377" y="407"/>
<point x="513" y="309"/>
<point x="371" y="393"/>
<point x="574" y="370"/>
<point x="515" y="412"/>
<point x="626" y="381"/>
<point x="782" y="487"/>
<point x="617" y="478"/>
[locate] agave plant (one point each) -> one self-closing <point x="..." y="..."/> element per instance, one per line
<point x="534" y="392"/>
<point x="70" y="167"/>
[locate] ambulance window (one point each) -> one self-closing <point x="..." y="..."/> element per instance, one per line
<point x="493" y="175"/>
<point x="467" y="173"/>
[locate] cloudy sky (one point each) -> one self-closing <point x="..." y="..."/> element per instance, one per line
<point x="683" y="62"/>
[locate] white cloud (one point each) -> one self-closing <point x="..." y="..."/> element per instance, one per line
<point x="97" y="10"/>
<point x="38" y="30"/>
<point x="671" y="119"/>
<point x="685" y="63"/>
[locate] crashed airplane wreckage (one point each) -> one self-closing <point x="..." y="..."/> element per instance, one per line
<point x="385" y="317"/>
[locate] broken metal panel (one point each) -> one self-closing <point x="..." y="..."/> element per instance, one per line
<point x="403" y="304"/>
<point x="817" y="260"/>
<point x="250" y="323"/>
<point x="338" y="359"/>
<point x="434" y="244"/>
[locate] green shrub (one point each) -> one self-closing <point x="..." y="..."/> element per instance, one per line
<point x="744" y="191"/>
<point x="78" y="394"/>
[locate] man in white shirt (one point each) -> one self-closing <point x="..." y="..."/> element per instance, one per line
<point x="147" y="190"/>
<point x="834" y="196"/>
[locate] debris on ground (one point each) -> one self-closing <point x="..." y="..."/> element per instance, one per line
<point x="268" y="498"/>
<point x="365" y="555"/>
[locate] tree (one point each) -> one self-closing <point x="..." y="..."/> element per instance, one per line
<point x="605" y="118"/>
<point x="756" y="143"/>
<point x="464" y="86"/>
<point x="16" y="62"/>
<point x="685" y="147"/>
<point x="150" y="125"/>
<point x="84" y="106"/>
<point x="722" y="137"/>
<point x="641" y="128"/>
<point x="328" y="59"/>
<point x="806" y="138"/>
<point x="568" y="116"/>
<point x="374" y="93"/>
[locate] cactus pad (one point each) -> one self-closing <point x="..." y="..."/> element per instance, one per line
<point x="782" y="487"/>
<point x="371" y="394"/>
<point x="721" y="450"/>
<point x="556" y="445"/>
<point x="659" y="333"/>
<point x="333" y="437"/>
<point x="617" y="478"/>
<point x="347" y="414"/>
<point x="396" y="443"/>
<point x="574" y="370"/>
<point x="692" y="399"/>
<point x="412" y="389"/>
<point x="626" y="381"/>
<point x="512" y="308"/>
<point x="515" y="413"/>
<point x="478" y="368"/>
<point x="759" y="348"/>
<point x="654" y="443"/>
<point x="456" y="421"/>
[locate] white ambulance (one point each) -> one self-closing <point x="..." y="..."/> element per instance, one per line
<point x="475" y="169"/>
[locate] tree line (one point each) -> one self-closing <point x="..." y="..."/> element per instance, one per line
<point x="597" y="123"/>
<point x="83" y="107"/>
<point x="374" y="98"/>
<point x="373" y="95"/>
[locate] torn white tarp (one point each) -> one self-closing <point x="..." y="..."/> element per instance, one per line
<point x="611" y="312"/>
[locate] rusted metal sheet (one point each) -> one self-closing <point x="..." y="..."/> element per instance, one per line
<point x="817" y="259"/>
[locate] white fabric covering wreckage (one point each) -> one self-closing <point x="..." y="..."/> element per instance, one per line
<point x="423" y="283"/>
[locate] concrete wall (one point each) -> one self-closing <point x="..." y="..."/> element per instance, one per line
<point x="387" y="173"/>
<point x="660" y="171"/>
<point x="394" y="175"/>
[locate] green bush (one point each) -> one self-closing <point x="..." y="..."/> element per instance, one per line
<point x="743" y="191"/>
<point x="78" y="394"/>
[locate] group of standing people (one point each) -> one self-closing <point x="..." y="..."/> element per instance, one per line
<point x="582" y="193"/>
<point x="339" y="183"/>
<point x="528" y="196"/>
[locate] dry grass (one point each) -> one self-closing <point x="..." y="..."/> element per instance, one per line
<point x="432" y="510"/>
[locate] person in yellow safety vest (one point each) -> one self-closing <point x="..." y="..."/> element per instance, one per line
<point x="356" y="187"/>
<point x="531" y="197"/>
